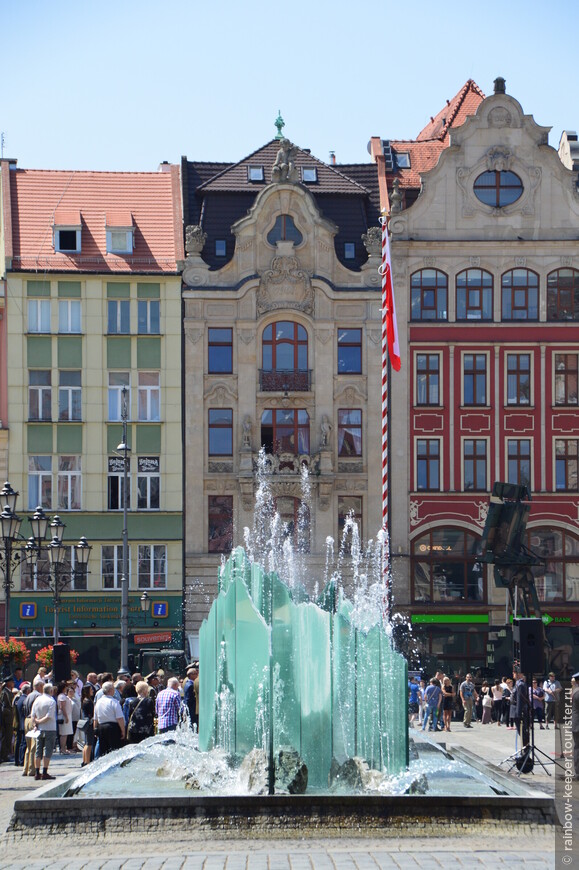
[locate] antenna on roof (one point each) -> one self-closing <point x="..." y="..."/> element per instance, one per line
<point x="1" y="144"/>
<point x="280" y="124"/>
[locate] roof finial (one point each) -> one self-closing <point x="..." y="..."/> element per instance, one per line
<point x="500" y="85"/>
<point x="280" y="124"/>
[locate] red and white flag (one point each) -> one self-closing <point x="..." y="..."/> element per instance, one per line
<point x="388" y="305"/>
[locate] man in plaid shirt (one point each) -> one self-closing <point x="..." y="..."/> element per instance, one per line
<point x="168" y="706"/>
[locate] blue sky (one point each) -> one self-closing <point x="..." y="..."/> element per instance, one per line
<point x="95" y="84"/>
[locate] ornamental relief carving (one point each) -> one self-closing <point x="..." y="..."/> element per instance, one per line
<point x="193" y="333"/>
<point x="220" y="392"/>
<point x="324" y="335"/>
<point x="246" y="335"/>
<point x="285" y="285"/>
<point x="220" y="467"/>
<point x="566" y="261"/>
<point x="350" y="392"/>
<point x="500" y="117"/>
<point x="374" y="335"/>
<point x="219" y="487"/>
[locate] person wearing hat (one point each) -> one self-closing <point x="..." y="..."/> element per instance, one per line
<point x="575" y="721"/>
<point x="153" y="682"/>
<point x="20" y="719"/>
<point x="6" y="718"/>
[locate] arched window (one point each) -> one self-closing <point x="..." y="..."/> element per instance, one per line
<point x="446" y="568"/>
<point x="429" y="295"/>
<point x="557" y="579"/>
<point x="286" y="430"/>
<point x="563" y="295"/>
<point x="284" y="230"/>
<point x="498" y="188"/>
<point x="284" y="354"/>
<point x="474" y="295"/>
<point x="520" y="295"/>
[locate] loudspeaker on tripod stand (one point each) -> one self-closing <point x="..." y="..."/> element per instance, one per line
<point x="60" y="662"/>
<point x="529" y="645"/>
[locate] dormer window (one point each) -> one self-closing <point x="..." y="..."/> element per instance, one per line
<point x="255" y="173"/>
<point x="119" y="228"/>
<point x="349" y="251"/>
<point x="309" y="175"/>
<point x="67" y="231"/>
<point x="402" y="159"/>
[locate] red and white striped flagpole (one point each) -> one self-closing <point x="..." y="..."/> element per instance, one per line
<point x="385" y="518"/>
<point x="390" y="353"/>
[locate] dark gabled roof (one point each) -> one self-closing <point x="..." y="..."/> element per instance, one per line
<point x="217" y="195"/>
<point x="236" y="177"/>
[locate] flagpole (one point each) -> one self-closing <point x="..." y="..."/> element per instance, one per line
<point x="386" y="579"/>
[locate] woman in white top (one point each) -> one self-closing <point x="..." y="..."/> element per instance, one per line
<point x="64" y="717"/>
<point x="497" y="691"/>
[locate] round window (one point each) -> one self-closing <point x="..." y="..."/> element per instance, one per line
<point x="498" y="189"/>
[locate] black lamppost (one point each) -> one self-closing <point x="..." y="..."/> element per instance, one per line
<point x="10" y="554"/>
<point x="124" y="450"/>
<point x="58" y="577"/>
<point x="145" y="605"/>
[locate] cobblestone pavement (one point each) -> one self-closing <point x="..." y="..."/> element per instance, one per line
<point x="530" y="848"/>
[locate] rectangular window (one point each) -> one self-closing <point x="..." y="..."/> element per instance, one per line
<point x="220" y="351"/>
<point x="69" y="315"/>
<point x="77" y="573"/>
<point x="475" y="464"/>
<point x="67" y="240"/>
<point x="118" y="381"/>
<point x="119" y="241"/>
<point x="566" y="378"/>
<point x="475" y="379"/>
<point x="255" y="173"/>
<point x="220" y="516"/>
<point x="69" y="483"/>
<point x="148" y="483"/>
<point x="566" y="456"/>
<point x="40" y="395"/>
<point x="149" y="397"/>
<point x="152" y="566"/>
<point x="428" y="464"/>
<point x="349" y="251"/>
<point x="119" y="316"/>
<point x="39" y="315"/>
<point x="220" y="248"/>
<point x="220" y="432"/>
<point x="518" y="379"/>
<point x="40" y="482"/>
<point x="519" y="462"/>
<point x="115" y="483"/>
<point x="349" y="512"/>
<point x="427" y="379"/>
<point x="309" y="174"/>
<point x="69" y="396"/>
<point x="149" y="316"/>
<point x="350" y="432"/>
<point x="349" y="351"/>
<point x="112" y="566"/>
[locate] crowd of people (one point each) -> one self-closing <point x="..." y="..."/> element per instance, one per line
<point x="91" y="717"/>
<point x="441" y="702"/>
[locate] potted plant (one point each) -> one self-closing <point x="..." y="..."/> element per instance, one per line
<point x="14" y="651"/>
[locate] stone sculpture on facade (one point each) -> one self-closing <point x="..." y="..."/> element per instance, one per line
<point x="326" y="429"/>
<point x="247" y="427"/>
<point x="195" y="239"/>
<point x="372" y="239"/>
<point x="285" y="285"/>
<point x="284" y="168"/>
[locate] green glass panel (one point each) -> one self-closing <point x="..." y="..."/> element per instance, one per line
<point x="69" y="289"/>
<point x="118" y="290"/>
<point x="148" y="353"/>
<point x="39" y="351"/>
<point x="208" y="654"/>
<point x="252" y="688"/>
<point x="38" y="288"/>
<point x="148" y="291"/>
<point x="70" y="352"/>
<point x="315" y="686"/>
<point x="118" y="352"/>
<point x="39" y="438"/>
<point x="344" y="686"/>
<point x="286" y="688"/>
<point x="149" y="438"/>
<point x="68" y="438"/>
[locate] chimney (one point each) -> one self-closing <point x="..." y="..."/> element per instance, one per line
<point x="500" y="85"/>
<point x="332" y="158"/>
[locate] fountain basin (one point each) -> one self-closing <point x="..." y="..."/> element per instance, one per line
<point x="180" y="816"/>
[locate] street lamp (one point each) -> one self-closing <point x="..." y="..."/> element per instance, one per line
<point x="145" y="604"/>
<point x="124" y="450"/>
<point x="10" y="557"/>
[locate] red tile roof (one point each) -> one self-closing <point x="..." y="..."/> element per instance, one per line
<point x="148" y="201"/>
<point x="426" y="149"/>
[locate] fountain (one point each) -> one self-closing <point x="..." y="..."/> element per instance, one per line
<point x="287" y="673"/>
